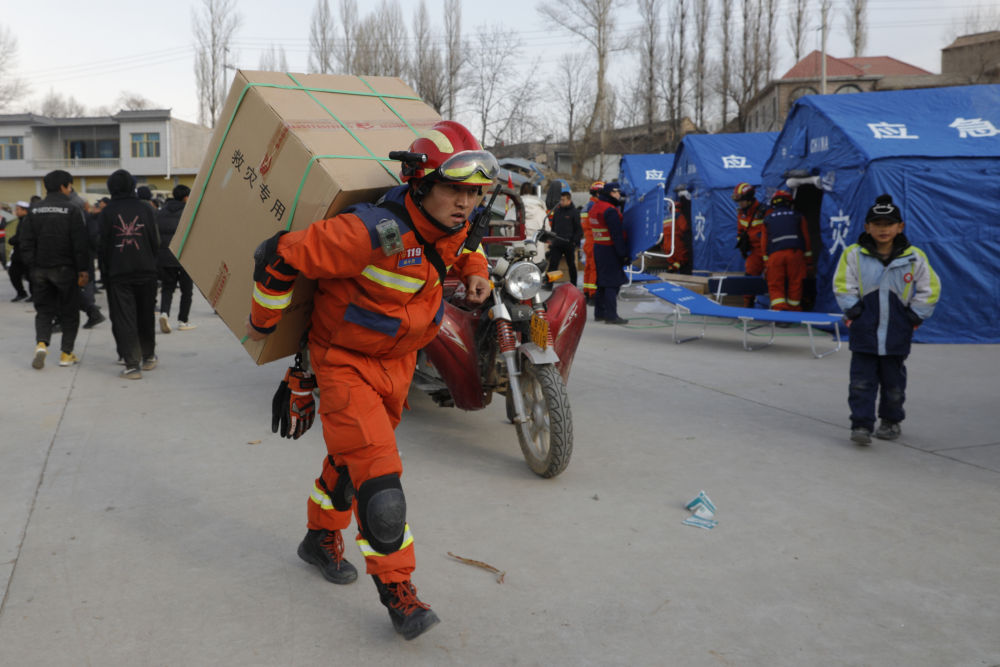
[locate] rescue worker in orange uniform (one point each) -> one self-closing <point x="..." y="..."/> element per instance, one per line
<point x="590" y="268"/>
<point x="787" y="252"/>
<point x="379" y="271"/>
<point x="610" y="253"/>
<point x="677" y="236"/>
<point x="749" y="226"/>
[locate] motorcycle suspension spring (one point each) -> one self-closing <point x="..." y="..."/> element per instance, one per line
<point x="506" y="337"/>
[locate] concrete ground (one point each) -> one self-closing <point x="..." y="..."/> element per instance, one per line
<point x="155" y="522"/>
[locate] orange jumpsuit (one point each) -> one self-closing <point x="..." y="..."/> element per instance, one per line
<point x="751" y="221"/>
<point x="590" y="268"/>
<point x="372" y="312"/>
<point x="680" y="260"/>
<point x="787" y="255"/>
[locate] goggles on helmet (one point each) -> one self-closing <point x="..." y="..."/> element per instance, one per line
<point x="468" y="167"/>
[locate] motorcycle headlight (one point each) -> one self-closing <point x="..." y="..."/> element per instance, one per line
<point x="523" y="280"/>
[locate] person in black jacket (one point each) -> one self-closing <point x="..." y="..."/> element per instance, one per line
<point x="565" y="225"/>
<point x="129" y="244"/>
<point x="172" y="273"/>
<point x="52" y="242"/>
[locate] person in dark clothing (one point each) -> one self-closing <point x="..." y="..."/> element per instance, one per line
<point x="610" y="253"/>
<point x="172" y="273"/>
<point x="16" y="269"/>
<point x="52" y="242"/>
<point x="88" y="301"/>
<point x="565" y="225"/>
<point x="129" y="243"/>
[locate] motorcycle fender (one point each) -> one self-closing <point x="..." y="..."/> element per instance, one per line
<point x="566" y="310"/>
<point x="537" y="355"/>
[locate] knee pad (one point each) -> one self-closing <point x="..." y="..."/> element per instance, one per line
<point x="343" y="491"/>
<point x="382" y="513"/>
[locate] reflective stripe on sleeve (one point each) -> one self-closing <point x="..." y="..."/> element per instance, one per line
<point x="271" y="301"/>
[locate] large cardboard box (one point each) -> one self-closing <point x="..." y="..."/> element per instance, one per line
<point x="288" y="149"/>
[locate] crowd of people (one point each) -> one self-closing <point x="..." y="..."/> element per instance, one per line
<point x="61" y="250"/>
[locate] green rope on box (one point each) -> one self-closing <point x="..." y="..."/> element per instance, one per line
<point x="309" y="90"/>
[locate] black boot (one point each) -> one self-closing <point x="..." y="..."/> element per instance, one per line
<point x="410" y="617"/>
<point x="325" y="550"/>
<point x="94" y="317"/>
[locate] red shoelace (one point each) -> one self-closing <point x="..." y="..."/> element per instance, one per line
<point x="406" y="597"/>
<point x="334" y="545"/>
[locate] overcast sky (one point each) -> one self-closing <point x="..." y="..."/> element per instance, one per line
<point x="104" y="47"/>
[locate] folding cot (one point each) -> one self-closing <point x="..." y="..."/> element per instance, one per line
<point x="696" y="304"/>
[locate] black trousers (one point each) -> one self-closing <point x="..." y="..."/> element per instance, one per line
<point x="171" y="277"/>
<point x="132" y="308"/>
<point x="556" y="253"/>
<point x="55" y="293"/>
<point x="18" y="274"/>
<point x="878" y="376"/>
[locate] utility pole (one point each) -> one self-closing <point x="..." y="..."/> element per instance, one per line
<point x="824" y="12"/>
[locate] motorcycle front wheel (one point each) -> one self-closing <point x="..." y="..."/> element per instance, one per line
<point x="546" y="438"/>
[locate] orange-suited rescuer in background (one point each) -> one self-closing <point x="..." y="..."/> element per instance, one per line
<point x="590" y="268"/>
<point x="379" y="271"/>
<point x="749" y="226"/>
<point x="787" y="252"/>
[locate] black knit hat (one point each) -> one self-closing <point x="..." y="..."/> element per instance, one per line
<point x="143" y="192"/>
<point x="120" y="182"/>
<point x="884" y="209"/>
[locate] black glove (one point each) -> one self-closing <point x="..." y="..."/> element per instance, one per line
<point x="293" y="408"/>
<point x="854" y="311"/>
<point x="743" y="244"/>
<point x="915" y="319"/>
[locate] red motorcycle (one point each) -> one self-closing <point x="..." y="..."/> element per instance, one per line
<point x="517" y="343"/>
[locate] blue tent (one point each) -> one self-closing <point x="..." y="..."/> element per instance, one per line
<point x="710" y="166"/>
<point x="937" y="152"/>
<point x="640" y="173"/>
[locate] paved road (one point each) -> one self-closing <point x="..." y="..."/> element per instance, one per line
<point x="155" y="522"/>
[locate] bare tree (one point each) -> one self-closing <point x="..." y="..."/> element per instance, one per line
<point x="347" y="51"/>
<point x="11" y="87"/>
<point x="677" y="112"/>
<point x="56" y="105"/>
<point x="380" y="42"/>
<point x="648" y="48"/>
<point x="272" y="59"/>
<point x="979" y="19"/>
<point x="798" y="26"/>
<point x="594" y="22"/>
<point x="767" y="18"/>
<point x="856" y="14"/>
<point x="748" y="80"/>
<point x="702" y="19"/>
<point x="427" y="67"/>
<point x="455" y="55"/>
<point x="321" y="39"/>
<point x="213" y="31"/>
<point x="130" y="101"/>
<point x="502" y="95"/>
<point x="725" y="79"/>
<point x="573" y="91"/>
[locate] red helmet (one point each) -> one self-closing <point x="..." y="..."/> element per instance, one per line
<point x="596" y="187"/>
<point x="780" y="196"/>
<point x="744" y="191"/>
<point x="452" y="155"/>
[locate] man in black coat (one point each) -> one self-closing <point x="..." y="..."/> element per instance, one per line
<point x="129" y="244"/>
<point x="172" y="273"/>
<point x="565" y="225"/>
<point x="52" y="242"/>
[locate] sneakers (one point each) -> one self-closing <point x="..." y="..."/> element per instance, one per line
<point x="325" y="550"/>
<point x="40" y="351"/>
<point x="410" y="617"/>
<point x="164" y="323"/>
<point x="149" y="363"/>
<point x="861" y="435"/>
<point x="94" y="319"/>
<point x="617" y="320"/>
<point x="131" y="374"/>
<point x="186" y="326"/>
<point x="19" y="297"/>
<point x="68" y="359"/>
<point x="888" y="430"/>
